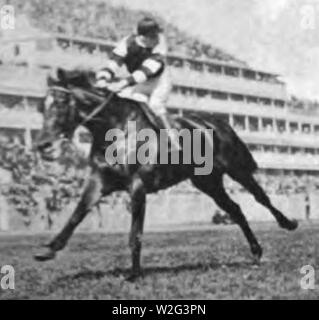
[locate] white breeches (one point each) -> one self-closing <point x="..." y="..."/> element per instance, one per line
<point x="155" y="92"/>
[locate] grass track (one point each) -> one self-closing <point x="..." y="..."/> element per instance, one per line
<point x="209" y="264"/>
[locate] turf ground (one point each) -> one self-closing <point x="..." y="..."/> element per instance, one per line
<point x="198" y="264"/>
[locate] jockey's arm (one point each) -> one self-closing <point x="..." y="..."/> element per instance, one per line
<point x="151" y="68"/>
<point x="115" y="63"/>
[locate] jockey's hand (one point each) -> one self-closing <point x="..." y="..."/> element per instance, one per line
<point x="101" y="84"/>
<point x="103" y="79"/>
<point x="118" y="86"/>
<point x="105" y="75"/>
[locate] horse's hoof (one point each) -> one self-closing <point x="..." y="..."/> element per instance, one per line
<point x="257" y="255"/>
<point x="46" y="255"/>
<point x="256" y="261"/>
<point x="134" y="276"/>
<point x="293" y="225"/>
<point x="290" y="225"/>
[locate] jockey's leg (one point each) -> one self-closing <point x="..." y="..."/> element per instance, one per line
<point x="158" y="102"/>
<point x="171" y="133"/>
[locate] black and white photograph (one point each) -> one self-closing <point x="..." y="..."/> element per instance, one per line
<point x="159" y="151"/>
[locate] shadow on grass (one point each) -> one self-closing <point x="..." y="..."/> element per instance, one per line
<point x="150" y="270"/>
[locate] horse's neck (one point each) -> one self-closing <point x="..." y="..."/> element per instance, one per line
<point x="116" y="116"/>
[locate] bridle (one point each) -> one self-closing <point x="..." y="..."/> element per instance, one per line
<point x="97" y="110"/>
<point x="91" y="115"/>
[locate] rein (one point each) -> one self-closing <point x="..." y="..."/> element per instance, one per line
<point x="95" y="111"/>
<point x="98" y="109"/>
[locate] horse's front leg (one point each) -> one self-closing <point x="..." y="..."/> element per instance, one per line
<point x="138" y="199"/>
<point x="90" y="197"/>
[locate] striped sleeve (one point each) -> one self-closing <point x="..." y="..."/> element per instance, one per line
<point x="151" y="68"/>
<point x="118" y="55"/>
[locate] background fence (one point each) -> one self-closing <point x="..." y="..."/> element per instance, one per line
<point x="163" y="210"/>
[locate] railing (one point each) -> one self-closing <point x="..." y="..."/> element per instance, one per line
<point x="287" y="161"/>
<point x="240" y="108"/>
<point x="238" y="85"/>
<point x="280" y="139"/>
<point x="228" y="106"/>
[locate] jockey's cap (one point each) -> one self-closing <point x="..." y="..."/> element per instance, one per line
<point x="148" y="27"/>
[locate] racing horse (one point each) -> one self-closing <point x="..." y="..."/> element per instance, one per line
<point x="72" y="101"/>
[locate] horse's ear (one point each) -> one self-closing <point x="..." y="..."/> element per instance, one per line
<point x="51" y="81"/>
<point x="53" y="78"/>
<point x="61" y="74"/>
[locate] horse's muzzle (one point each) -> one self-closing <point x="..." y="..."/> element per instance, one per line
<point x="49" y="151"/>
<point x="42" y="146"/>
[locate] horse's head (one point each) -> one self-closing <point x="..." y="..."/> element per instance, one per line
<point x="61" y="115"/>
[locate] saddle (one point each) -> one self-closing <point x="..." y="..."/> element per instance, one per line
<point x="84" y="89"/>
<point x="98" y="95"/>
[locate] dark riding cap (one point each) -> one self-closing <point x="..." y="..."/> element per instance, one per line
<point x="148" y="27"/>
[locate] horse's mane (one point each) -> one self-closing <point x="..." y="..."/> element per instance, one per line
<point x="84" y="79"/>
<point x="81" y="78"/>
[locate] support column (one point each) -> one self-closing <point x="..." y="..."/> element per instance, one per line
<point x="260" y="124"/>
<point x="287" y="126"/>
<point x="275" y="126"/>
<point x="247" y="123"/>
<point x="4" y="213"/>
<point x="27" y="133"/>
<point x="231" y="120"/>
<point x="299" y="127"/>
<point x="312" y="128"/>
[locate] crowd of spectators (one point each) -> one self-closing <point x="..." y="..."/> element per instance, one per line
<point x="274" y="183"/>
<point x="280" y="183"/>
<point x="98" y="19"/>
<point x="33" y="180"/>
<point x="35" y="184"/>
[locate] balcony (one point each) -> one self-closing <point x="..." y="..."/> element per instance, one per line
<point x="280" y="139"/>
<point x="228" y="106"/>
<point x="287" y="161"/>
<point x="221" y="82"/>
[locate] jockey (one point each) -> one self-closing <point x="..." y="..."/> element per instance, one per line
<point x="144" y="55"/>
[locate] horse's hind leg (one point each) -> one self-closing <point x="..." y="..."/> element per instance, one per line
<point x="215" y="189"/>
<point x="254" y="188"/>
<point x="91" y="196"/>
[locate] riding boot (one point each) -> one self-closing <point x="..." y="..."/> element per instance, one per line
<point x="171" y="135"/>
